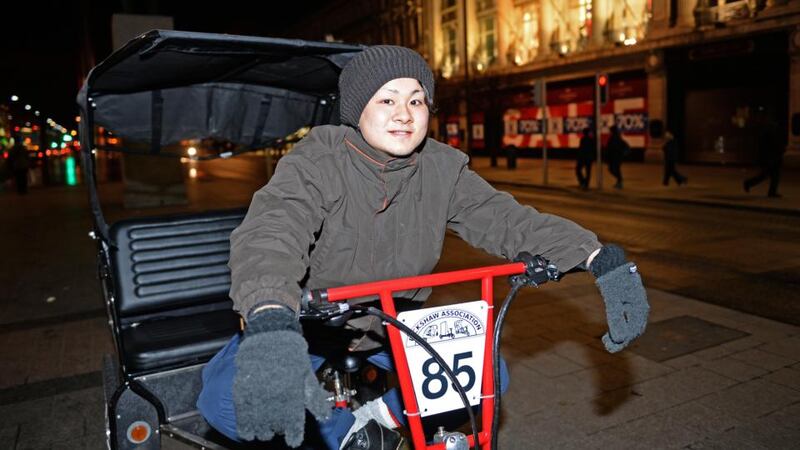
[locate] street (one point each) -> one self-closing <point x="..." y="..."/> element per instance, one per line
<point x="733" y="258"/>
<point x="53" y="329"/>
<point x="670" y="128"/>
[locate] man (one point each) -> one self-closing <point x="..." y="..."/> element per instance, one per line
<point x="368" y="200"/>
<point x="616" y="149"/>
<point x="586" y="154"/>
<point x="770" y="154"/>
<point x="670" y="160"/>
<point x="19" y="162"/>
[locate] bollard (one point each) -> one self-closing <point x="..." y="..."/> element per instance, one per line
<point x="511" y="157"/>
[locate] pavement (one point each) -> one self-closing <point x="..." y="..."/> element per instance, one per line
<point x="703" y="376"/>
<point x="708" y="185"/>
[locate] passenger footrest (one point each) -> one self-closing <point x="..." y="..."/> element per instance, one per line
<point x="195" y="432"/>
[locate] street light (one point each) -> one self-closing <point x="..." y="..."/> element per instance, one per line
<point x="14" y="98"/>
<point x="27" y="107"/>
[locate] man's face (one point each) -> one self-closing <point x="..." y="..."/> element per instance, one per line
<point x="395" y="120"/>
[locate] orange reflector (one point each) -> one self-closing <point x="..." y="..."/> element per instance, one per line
<point x="371" y="374"/>
<point x="138" y="432"/>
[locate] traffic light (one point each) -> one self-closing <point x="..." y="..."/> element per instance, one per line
<point x="602" y="87"/>
<point x="537" y="93"/>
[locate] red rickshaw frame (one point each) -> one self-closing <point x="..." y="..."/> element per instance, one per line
<point x="384" y="289"/>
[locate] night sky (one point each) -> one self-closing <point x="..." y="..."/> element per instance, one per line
<point x="48" y="46"/>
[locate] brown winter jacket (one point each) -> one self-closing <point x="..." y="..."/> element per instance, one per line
<point x="341" y="212"/>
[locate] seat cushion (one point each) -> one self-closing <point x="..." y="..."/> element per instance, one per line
<point x="177" y="341"/>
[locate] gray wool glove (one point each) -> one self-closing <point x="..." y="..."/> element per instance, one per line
<point x="274" y="382"/>
<point x="623" y="293"/>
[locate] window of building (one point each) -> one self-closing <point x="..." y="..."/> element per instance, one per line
<point x="449" y="11"/>
<point x="525" y="39"/>
<point x="484" y="6"/>
<point x="486" y="52"/>
<point x="575" y="25"/>
<point x="449" y="41"/>
<point x="580" y="16"/>
<point x="585" y="19"/>
<point x="572" y="28"/>
<point x="628" y="20"/>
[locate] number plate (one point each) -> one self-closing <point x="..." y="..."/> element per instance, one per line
<point x="458" y="333"/>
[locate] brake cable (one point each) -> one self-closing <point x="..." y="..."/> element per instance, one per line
<point x="538" y="271"/>
<point x="435" y="355"/>
<point x="515" y="286"/>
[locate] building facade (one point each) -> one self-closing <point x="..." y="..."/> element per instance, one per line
<point x="708" y="70"/>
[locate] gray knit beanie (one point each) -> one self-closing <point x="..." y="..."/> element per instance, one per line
<point x="371" y="69"/>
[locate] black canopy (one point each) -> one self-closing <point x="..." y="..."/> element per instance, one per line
<point x="165" y="86"/>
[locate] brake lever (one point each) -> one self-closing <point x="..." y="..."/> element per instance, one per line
<point x="323" y="311"/>
<point x="538" y="270"/>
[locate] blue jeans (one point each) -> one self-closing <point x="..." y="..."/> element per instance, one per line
<point x="216" y="397"/>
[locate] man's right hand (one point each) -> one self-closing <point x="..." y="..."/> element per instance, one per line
<point x="274" y="382"/>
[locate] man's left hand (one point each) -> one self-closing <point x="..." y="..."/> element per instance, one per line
<point x="623" y="293"/>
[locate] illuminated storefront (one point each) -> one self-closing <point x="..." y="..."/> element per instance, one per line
<point x="488" y="54"/>
<point x="663" y="59"/>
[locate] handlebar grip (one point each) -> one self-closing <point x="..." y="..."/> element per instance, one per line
<point x="314" y="304"/>
<point x="309" y="296"/>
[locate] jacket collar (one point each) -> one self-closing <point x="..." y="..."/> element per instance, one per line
<point x="381" y="161"/>
<point x="387" y="172"/>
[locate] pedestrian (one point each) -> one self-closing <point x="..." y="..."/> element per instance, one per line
<point x="586" y="154"/>
<point x="670" y="149"/>
<point x="616" y="150"/>
<point x="770" y="154"/>
<point x="368" y="200"/>
<point x="19" y="162"/>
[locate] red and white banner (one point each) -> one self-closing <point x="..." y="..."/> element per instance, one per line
<point x="522" y="126"/>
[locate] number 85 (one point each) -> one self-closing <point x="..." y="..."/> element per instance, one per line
<point x="439" y="375"/>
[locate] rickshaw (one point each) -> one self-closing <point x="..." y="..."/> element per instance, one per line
<point x="165" y="279"/>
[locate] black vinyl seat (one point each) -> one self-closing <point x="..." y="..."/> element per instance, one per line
<point x="170" y="285"/>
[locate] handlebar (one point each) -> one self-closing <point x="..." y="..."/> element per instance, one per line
<point x="322" y="304"/>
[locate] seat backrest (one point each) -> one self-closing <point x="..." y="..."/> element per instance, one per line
<point x="168" y="263"/>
